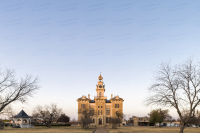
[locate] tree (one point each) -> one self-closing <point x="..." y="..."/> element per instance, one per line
<point x="177" y="87"/>
<point x="155" y="117"/>
<point x="115" y="121"/>
<point x="48" y="114"/>
<point x="12" y="90"/>
<point x="36" y="117"/>
<point x="164" y="114"/>
<point x="63" y="118"/>
<point x="86" y="117"/>
<point x="158" y="116"/>
<point x="195" y="119"/>
<point x="8" y="111"/>
<point x="120" y="115"/>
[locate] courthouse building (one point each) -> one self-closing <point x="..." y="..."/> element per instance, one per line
<point x="102" y="107"/>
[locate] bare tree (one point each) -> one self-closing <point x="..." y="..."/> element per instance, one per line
<point x="194" y="119"/>
<point x="177" y="87"/>
<point x="7" y="111"/>
<point x="115" y="121"/>
<point x="86" y="117"/>
<point x="48" y="114"/>
<point x="12" y="90"/>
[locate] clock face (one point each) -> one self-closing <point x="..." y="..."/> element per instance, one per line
<point x="100" y="86"/>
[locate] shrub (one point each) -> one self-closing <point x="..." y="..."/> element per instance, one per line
<point x="54" y="125"/>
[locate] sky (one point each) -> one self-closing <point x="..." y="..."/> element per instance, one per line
<point x="67" y="44"/>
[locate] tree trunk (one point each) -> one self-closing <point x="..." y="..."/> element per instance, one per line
<point x="182" y="128"/>
<point x="49" y="124"/>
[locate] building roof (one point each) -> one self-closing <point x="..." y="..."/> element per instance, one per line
<point x="22" y="114"/>
<point x="92" y="101"/>
<point x="108" y="101"/>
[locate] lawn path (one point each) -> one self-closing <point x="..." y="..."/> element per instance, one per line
<point x="101" y="129"/>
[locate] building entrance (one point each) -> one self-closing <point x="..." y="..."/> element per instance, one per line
<point x="100" y="121"/>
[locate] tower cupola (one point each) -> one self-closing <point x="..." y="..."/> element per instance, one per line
<point x="100" y="77"/>
<point x="100" y="87"/>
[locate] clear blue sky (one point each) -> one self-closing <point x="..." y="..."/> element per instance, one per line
<point x="68" y="43"/>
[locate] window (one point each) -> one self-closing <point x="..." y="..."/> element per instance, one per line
<point x="108" y="111"/>
<point x="116" y="105"/>
<point x="93" y="120"/>
<point x="108" y="119"/>
<point x="82" y="105"/>
<point x="98" y="112"/>
<point x="101" y="112"/>
<point x="98" y="106"/>
<point x="99" y="94"/>
<point x="101" y="106"/>
<point x="92" y="111"/>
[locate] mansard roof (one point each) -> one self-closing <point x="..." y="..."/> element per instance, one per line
<point x="108" y="101"/>
<point x="22" y="114"/>
<point x="92" y="101"/>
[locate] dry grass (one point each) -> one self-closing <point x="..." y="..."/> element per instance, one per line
<point x="138" y="129"/>
<point x="77" y="129"/>
<point x="67" y="129"/>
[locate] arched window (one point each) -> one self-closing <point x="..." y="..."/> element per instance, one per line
<point x="99" y="94"/>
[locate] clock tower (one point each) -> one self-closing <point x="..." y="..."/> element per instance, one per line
<point x="103" y="109"/>
<point x="100" y="87"/>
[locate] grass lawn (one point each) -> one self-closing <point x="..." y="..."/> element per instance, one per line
<point x="39" y="129"/>
<point x="140" y="129"/>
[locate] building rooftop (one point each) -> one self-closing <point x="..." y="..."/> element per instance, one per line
<point x="92" y="101"/>
<point x="108" y="101"/>
<point x="22" y="114"/>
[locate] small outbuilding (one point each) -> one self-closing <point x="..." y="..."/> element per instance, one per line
<point x="22" y="120"/>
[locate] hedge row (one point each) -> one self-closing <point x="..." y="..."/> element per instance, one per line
<point x="55" y="125"/>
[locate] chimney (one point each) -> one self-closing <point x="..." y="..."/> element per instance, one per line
<point x="111" y="96"/>
<point x="89" y="96"/>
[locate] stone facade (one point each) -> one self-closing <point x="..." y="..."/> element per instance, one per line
<point x="103" y="108"/>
